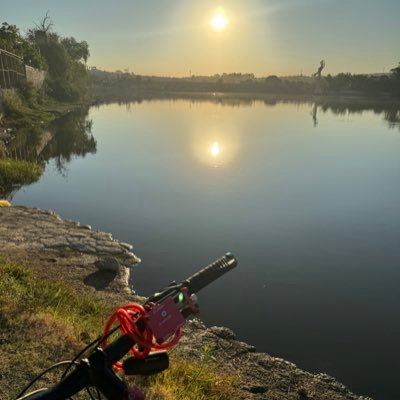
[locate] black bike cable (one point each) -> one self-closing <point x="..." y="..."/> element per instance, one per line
<point x="98" y="394"/>
<point x="69" y="365"/>
<point x="90" y="393"/>
<point x="26" y="397"/>
<point x="59" y="364"/>
<point x="95" y="342"/>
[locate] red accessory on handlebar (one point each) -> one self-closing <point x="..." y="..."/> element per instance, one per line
<point x="127" y="316"/>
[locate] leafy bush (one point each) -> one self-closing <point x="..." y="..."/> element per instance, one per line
<point x="20" y="111"/>
<point x="28" y="93"/>
<point x="12" y="104"/>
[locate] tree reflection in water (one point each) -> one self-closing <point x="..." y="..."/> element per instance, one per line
<point x="338" y="105"/>
<point x="389" y="110"/>
<point x="67" y="137"/>
<point x="72" y="137"/>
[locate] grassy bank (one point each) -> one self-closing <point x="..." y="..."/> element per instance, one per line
<point x="20" y="111"/>
<point x="43" y="322"/>
<point x="27" y="107"/>
<point x="14" y="172"/>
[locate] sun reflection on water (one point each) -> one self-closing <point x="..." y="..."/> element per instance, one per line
<point x="215" y="150"/>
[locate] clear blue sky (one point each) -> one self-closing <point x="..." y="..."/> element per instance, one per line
<point x="173" y="37"/>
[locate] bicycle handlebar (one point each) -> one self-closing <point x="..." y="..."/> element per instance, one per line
<point x="97" y="369"/>
<point x="204" y="277"/>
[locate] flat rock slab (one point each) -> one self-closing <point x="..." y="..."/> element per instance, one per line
<point x="57" y="247"/>
<point x="264" y="377"/>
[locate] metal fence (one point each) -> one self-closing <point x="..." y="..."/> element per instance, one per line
<point x="12" y="70"/>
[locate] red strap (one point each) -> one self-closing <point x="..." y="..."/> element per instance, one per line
<point x="127" y="316"/>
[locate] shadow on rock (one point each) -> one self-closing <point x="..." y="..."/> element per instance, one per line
<point x="100" y="279"/>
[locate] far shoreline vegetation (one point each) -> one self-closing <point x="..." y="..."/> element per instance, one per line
<point x="104" y="85"/>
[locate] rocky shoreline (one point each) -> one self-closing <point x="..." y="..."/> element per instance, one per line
<point x="92" y="260"/>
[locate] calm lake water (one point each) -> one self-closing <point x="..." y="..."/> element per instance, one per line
<point x="307" y="196"/>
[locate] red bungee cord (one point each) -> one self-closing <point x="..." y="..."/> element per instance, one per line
<point x="127" y="316"/>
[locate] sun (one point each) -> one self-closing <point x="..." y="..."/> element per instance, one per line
<point x="219" y="21"/>
<point x="215" y="149"/>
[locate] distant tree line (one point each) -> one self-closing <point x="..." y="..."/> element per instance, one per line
<point x="367" y="84"/>
<point x="101" y="81"/>
<point x="341" y="84"/>
<point x="63" y="58"/>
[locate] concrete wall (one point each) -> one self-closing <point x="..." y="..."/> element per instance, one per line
<point x="35" y="76"/>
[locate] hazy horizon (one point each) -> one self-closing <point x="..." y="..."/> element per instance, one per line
<point x="207" y="37"/>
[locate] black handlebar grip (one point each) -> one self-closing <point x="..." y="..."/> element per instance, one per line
<point x="210" y="273"/>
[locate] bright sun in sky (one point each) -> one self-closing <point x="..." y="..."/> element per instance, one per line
<point x="215" y="150"/>
<point x="219" y="21"/>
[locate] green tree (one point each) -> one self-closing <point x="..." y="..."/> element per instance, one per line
<point x="396" y="71"/>
<point x="65" y="58"/>
<point x="273" y="83"/>
<point x="12" y="41"/>
<point x="78" y="51"/>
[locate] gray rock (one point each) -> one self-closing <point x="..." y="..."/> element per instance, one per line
<point x="113" y="250"/>
<point x="48" y="212"/>
<point x="126" y="246"/>
<point x="133" y="257"/>
<point x="88" y="227"/>
<point x="222" y="332"/>
<point x="108" y="264"/>
<point x="82" y="247"/>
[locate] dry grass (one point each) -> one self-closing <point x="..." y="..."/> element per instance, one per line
<point x="188" y="380"/>
<point x="40" y="323"/>
<point x="43" y="322"/>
